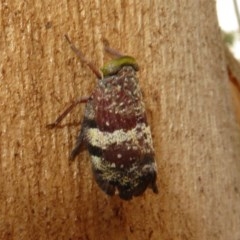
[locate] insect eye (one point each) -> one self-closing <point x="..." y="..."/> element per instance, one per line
<point x="115" y="65"/>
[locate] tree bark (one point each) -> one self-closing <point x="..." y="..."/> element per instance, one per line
<point x="188" y="100"/>
<point x="233" y="67"/>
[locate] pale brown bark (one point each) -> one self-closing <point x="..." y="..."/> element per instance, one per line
<point x="184" y="78"/>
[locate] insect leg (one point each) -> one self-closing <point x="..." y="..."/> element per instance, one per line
<point x="68" y="110"/>
<point x="79" y="145"/>
<point x="84" y="59"/>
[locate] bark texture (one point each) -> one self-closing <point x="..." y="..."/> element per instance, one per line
<point x="233" y="67"/>
<point x="188" y="99"/>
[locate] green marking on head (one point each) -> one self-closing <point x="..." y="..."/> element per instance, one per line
<point x="115" y="65"/>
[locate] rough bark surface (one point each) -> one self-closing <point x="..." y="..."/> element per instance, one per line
<point x="233" y="67"/>
<point x="184" y="79"/>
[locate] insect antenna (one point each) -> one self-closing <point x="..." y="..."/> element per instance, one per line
<point x="83" y="58"/>
<point x="110" y="50"/>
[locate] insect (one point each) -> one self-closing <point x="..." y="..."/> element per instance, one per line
<point x="115" y="129"/>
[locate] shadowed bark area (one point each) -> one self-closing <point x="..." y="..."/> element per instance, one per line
<point x="233" y="68"/>
<point x="184" y="79"/>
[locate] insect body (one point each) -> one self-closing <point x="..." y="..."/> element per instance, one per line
<point x="115" y="130"/>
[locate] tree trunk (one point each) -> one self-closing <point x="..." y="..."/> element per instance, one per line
<point x="184" y="79"/>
